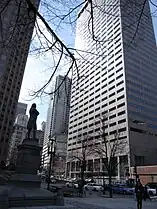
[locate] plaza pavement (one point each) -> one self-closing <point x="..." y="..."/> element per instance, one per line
<point x="108" y="203"/>
<point x="98" y="203"/>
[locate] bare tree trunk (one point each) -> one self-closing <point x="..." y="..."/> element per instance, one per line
<point x="110" y="186"/>
<point x="82" y="176"/>
<point x="104" y="185"/>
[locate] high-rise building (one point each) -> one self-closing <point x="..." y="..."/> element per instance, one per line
<point x="17" y="24"/>
<point x="43" y="126"/>
<point x="19" y="133"/>
<point x="40" y="137"/>
<point x="117" y="79"/>
<point x="45" y="157"/>
<point x="21" y="108"/>
<point x="58" y="118"/>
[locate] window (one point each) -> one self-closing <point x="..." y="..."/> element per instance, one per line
<point x="120" y="83"/>
<point x="119" y="70"/>
<point x="118" y="63"/>
<point x="112" y="116"/>
<point x="112" y="124"/>
<point x="97" y="102"/>
<point x="119" y="76"/>
<point x="106" y="111"/>
<point x="121" y="113"/>
<point x="111" y="109"/>
<point x="111" y="88"/>
<point x="121" y="130"/>
<point x="97" y="109"/>
<point x="111" y="95"/>
<point x="121" y="105"/>
<point x="121" y="97"/>
<point x="91" y="112"/>
<point x="104" y="105"/>
<point x="113" y="132"/>
<point x="121" y="121"/>
<point x="118" y="91"/>
<point x="111" y="81"/>
<point x="110" y="75"/>
<point x="103" y="99"/>
<point x="111" y="102"/>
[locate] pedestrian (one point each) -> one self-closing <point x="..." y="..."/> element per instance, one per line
<point x="139" y="192"/>
<point x="146" y="194"/>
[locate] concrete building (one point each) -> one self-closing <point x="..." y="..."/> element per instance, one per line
<point x="21" y="108"/>
<point x="19" y="133"/>
<point x="58" y="119"/>
<point x="15" y="36"/>
<point x="40" y="137"/>
<point x="40" y="134"/>
<point x="45" y="157"/>
<point x="118" y="80"/>
<point x="43" y="126"/>
<point x="147" y="174"/>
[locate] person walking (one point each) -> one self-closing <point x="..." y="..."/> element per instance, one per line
<point x="139" y="193"/>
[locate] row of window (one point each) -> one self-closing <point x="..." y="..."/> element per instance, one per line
<point x="92" y="124"/>
<point x="98" y="108"/>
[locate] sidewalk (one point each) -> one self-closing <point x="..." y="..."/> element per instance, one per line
<point x="107" y="203"/>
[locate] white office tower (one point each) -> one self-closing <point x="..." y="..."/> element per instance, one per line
<point x="117" y="74"/>
<point x="45" y="156"/>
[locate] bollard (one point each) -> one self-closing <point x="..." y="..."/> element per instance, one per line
<point x="4" y="200"/>
<point x="59" y="197"/>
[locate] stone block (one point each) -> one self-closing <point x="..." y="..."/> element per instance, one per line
<point x="28" y="158"/>
<point x="4" y="200"/>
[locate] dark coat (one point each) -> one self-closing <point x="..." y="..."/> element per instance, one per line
<point x="139" y="189"/>
<point x="33" y="118"/>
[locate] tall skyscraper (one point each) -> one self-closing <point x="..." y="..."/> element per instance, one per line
<point x="40" y="137"/>
<point x="58" y="118"/>
<point x="19" y="133"/>
<point x="16" y="30"/>
<point x="45" y="157"/>
<point x="117" y="74"/>
<point x="21" y="108"/>
<point x="43" y="126"/>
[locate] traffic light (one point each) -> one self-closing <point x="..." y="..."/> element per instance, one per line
<point x="135" y="169"/>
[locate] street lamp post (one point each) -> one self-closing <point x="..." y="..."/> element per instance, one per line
<point x="135" y="166"/>
<point x="51" y="152"/>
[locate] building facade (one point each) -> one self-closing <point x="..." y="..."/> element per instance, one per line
<point x="58" y="119"/>
<point x="15" y="36"/>
<point x="19" y="133"/>
<point x="43" y="126"/>
<point x="45" y="157"/>
<point x="21" y="108"/>
<point x="117" y="79"/>
<point x="40" y="137"/>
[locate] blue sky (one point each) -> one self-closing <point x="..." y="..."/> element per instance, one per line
<point x="38" y="71"/>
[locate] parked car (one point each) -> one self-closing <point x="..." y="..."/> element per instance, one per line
<point x="118" y="188"/>
<point x="93" y="187"/>
<point x="152" y="188"/>
<point x="128" y="190"/>
<point x="76" y="185"/>
<point x="69" y="184"/>
<point x="151" y="191"/>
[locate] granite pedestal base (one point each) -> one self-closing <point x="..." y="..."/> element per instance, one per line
<point x="24" y="189"/>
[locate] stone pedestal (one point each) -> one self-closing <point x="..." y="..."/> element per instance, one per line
<point x="24" y="187"/>
<point x="28" y="162"/>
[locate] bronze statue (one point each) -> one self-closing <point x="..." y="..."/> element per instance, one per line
<point x="32" y="121"/>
